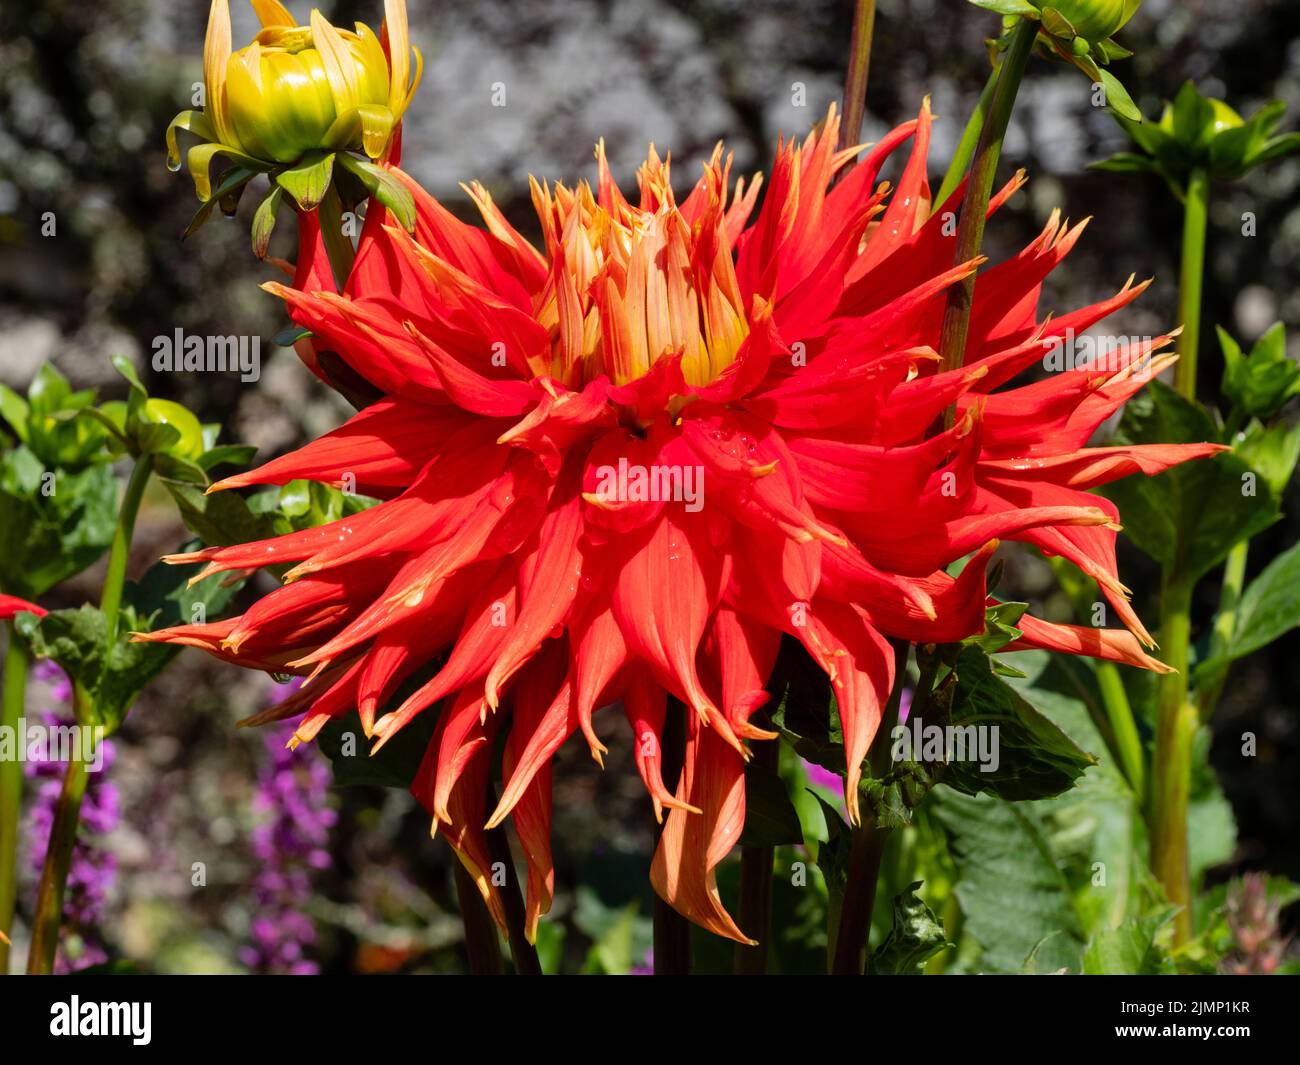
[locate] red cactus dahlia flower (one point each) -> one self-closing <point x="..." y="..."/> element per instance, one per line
<point x="542" y="410"/>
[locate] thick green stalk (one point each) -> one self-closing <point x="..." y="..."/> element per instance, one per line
<point x="63" y="835"/>
<point x="855" y="79"/>
<point x="11" y="787"/>
<point x="1177" y="718"/>
<point x="966" y="146"/>
<point x="1176" y="724"/>
<point x="110" y="600"/>
<point x="1190" y="280"/>
<point x="54" y="874"/>
<point x="970" y="231"/>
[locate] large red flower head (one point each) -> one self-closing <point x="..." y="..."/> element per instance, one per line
<point x="619" y="466"/>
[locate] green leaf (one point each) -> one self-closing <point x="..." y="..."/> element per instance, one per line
<point x="1111" y="50"/>
<point x="915" y="937"/>
<point x="1011" y="891"/>
<point x="770" y="817"/>
<point x="1125" y="163"/>
<point x="227" y="455"/>
<point x="833" y="855"/>
<point x="290" y="335"/>
<point x="1117" y="97"/>
<point x="56" y="523"/>
<point x="1097" y="826"/>
<point x="1009" y="7"/>
<point x="15" y="410"/>
<point x="1269" y="608"/>
<point x="222" y="518"/>
<point x="1259" y="384"/>
<point x="1012" y="750"/>
<point x="113" y="676"/>
<point x="225" y="195"/>
<point x="1274" y="148"/>
<point x="1272" y="452"/>
<point x="1193" y="117"/>
<point x="1188" y="517"/>
<point x="999" y="627"/>
<point x="394" y="766"/>
<point x="1130" y="949"/>
<point x="308" y="180"/>
<point x="1057" y="24"/>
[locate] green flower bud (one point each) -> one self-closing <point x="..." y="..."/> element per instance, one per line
<point x="1093" y="20"/>
<point x="165" y="412"/>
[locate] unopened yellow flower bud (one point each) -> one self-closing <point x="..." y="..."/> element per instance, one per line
<point x="296" y="89"/>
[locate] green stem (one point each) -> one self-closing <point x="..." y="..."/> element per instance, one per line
<point x="63" y="835"/>
<point x="853" y="927"/>
<point x="1176" y="725"/>
<point x="855" y="78"/>
<point x="522" y="952"/>
<point x="966" y="146"/>
<point x="1177" y="719"/>
<point x="11" y="786"/>
<point x="110" y="600"/>
<point x="868" y="849"/>
<point x="970" y="231"/>
<point x="1119" y="712"/>
<point x="1190" y="280"/>
<point x="482" y="944"/>
<point x="1234" y="579"/>
<point x="54" y="874"/>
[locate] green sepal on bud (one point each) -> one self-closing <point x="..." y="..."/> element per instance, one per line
<point x="1077" y="32"/>
<point x="1199" y="132"/>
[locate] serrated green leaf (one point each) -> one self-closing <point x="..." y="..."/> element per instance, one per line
<point x="1011" y="891"/>
<point x="56" y="522"/>
<point x="114" y="675"/>
<point x="1010" y="749"/>
<point x="914" y="938"/>
<point x="1130" y="949"/>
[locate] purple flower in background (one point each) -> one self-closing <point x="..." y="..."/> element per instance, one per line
<point x="289" y="844"/>
<point x="94" y="868"/>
